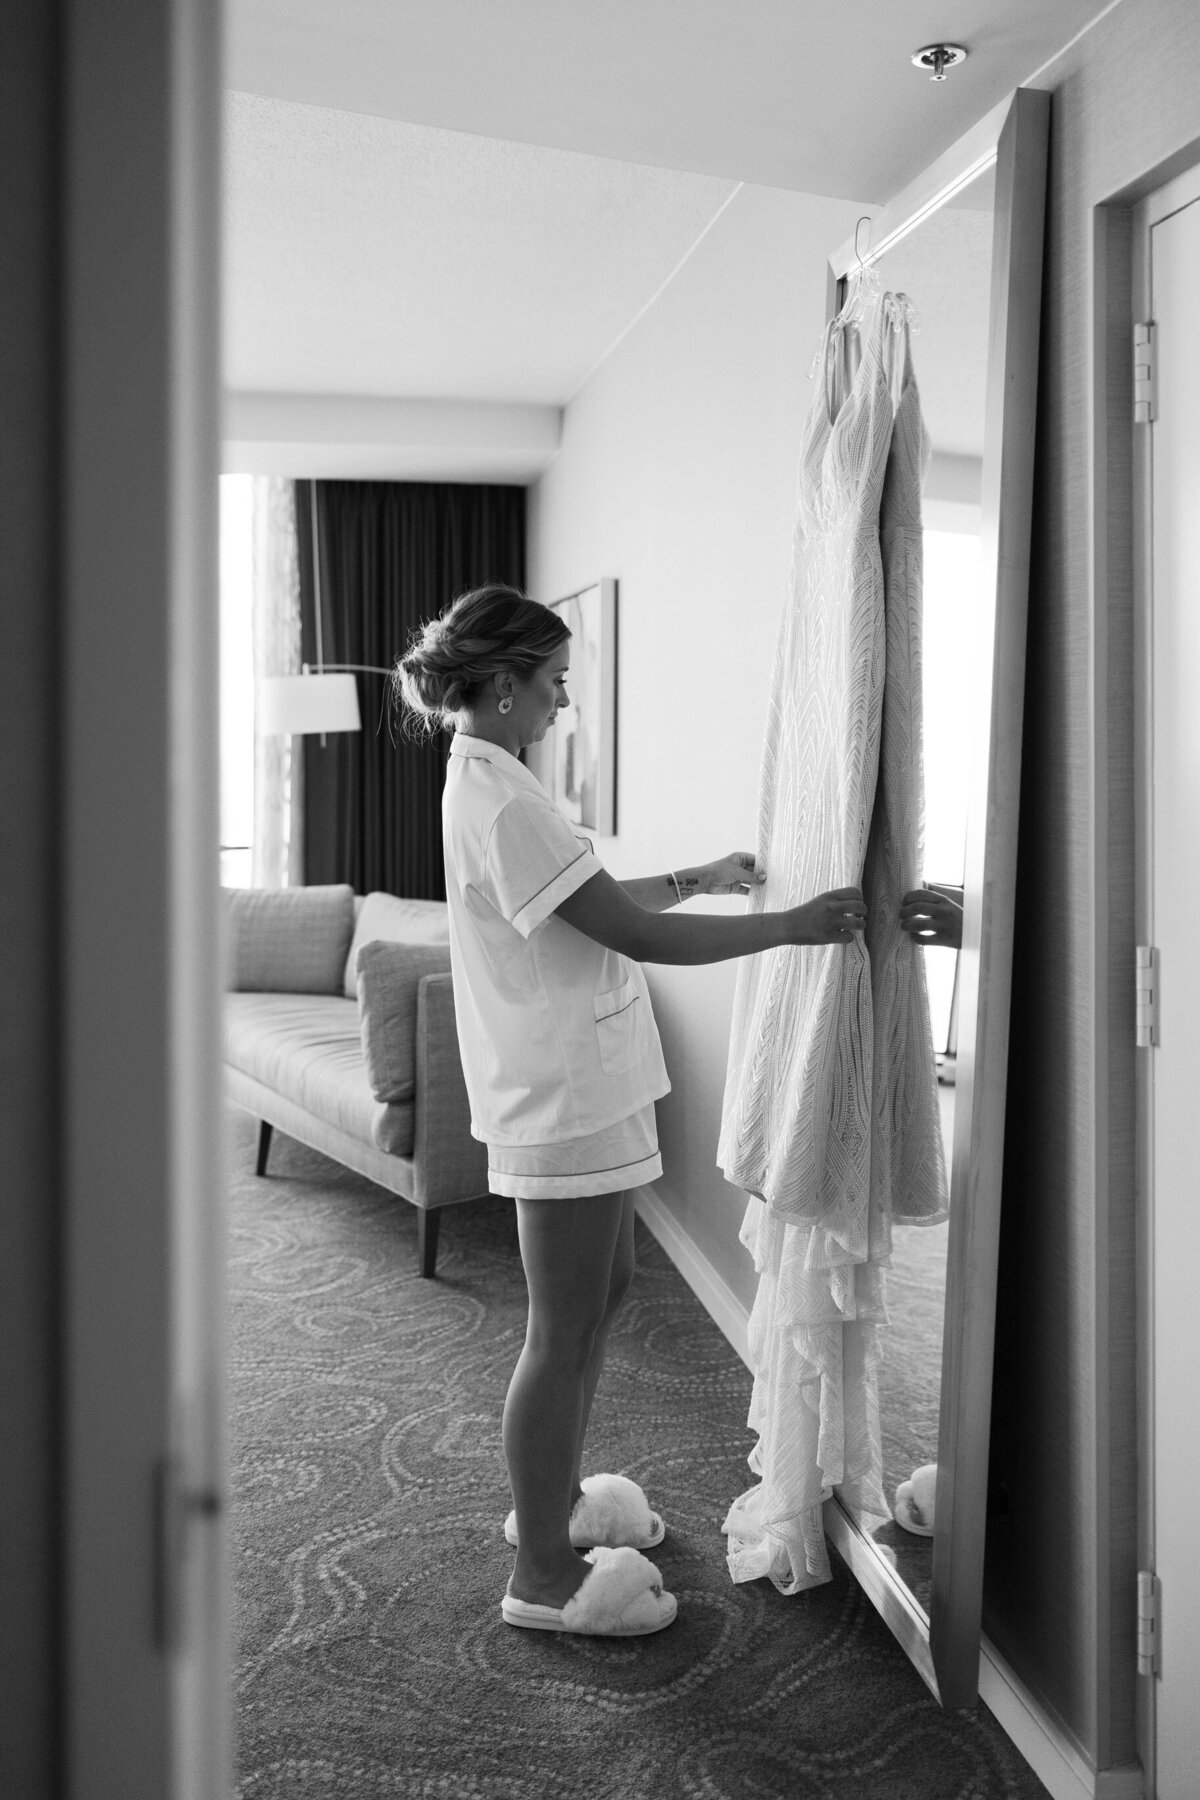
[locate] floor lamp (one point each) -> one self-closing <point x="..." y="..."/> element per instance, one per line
<point x="317" y="700"/>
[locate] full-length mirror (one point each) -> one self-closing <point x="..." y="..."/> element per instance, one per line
<point x="963" y="243"/>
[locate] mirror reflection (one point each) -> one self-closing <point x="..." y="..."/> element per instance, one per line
<point x="944" y="267"/>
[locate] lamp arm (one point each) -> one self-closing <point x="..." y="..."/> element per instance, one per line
<point x="353" y="668"/>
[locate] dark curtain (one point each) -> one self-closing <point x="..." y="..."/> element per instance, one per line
<point x="393" y="554"/>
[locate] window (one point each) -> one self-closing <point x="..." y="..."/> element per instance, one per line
<point x="949" y="646"/>
<point x="237" y="679"/>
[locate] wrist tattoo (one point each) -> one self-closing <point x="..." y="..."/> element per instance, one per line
<point x="685" y="886"/>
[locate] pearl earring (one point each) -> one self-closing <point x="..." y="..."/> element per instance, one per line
<point x="506" y="704"/>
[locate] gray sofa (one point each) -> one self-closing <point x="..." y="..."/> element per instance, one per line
<point x="339" y="1031"/>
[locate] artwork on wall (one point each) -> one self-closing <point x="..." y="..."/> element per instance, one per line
<point x="576" y="762"/>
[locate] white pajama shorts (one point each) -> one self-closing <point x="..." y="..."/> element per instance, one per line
<point x="621" y="1156"/>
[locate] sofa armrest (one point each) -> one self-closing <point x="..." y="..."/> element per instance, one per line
<point x="448" y="1163"/>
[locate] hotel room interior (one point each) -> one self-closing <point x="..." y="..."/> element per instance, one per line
<point x="586" y="253"/>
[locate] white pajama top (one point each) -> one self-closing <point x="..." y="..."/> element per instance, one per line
<point x="557" y="1035"/>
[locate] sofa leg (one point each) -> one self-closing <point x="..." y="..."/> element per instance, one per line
<point x="429" y="1220"/>
<point x="264" y="1146"/>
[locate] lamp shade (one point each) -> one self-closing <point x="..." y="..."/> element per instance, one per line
<point x="294" y="705"/>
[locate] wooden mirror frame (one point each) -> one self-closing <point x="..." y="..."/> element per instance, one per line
<point x="945" y="1643"/>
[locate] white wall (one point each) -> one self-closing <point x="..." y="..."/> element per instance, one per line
<point x="677" y="476"/>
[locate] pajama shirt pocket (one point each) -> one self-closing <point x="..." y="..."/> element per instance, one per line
<point x="621" y="1028"/>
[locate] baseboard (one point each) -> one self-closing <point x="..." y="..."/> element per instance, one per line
<point x="711" y="1289"/>
<point x="1048" y="1749"/>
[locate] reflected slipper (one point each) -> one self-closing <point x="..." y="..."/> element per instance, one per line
<point x="914" y="1506"/>
<point x="611" y="1511"/>
<point x="621" y="1596"/>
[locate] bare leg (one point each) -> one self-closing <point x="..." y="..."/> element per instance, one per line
<point x="568" y="1248"/>
<point x="619" y="1279"/>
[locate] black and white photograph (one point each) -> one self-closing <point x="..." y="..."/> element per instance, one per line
<point x="600" y="821"/>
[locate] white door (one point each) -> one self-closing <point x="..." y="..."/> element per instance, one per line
<point x="1171" y="250"/>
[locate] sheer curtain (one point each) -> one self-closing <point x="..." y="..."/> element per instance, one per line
<point x="278" y="853"/>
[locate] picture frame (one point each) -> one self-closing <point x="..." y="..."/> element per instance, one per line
<point x="576" y="762"/>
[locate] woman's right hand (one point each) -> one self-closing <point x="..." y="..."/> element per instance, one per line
<point x="832" y="918"/>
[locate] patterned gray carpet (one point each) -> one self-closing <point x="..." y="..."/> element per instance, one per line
<point x="369" y="1495"/>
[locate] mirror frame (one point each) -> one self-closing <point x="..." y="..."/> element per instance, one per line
<point x="945" y="1643"/>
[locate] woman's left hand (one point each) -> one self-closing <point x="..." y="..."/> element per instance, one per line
<point x="732" y="874"/>
<point x="932" y="917"/>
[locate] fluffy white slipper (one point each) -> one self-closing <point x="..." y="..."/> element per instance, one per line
<point x="612" y="1511"/>
<point x="914" y="1504"/>
<point x="621" y="1596"/>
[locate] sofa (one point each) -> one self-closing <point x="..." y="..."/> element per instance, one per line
<point x="339" y="1030"/>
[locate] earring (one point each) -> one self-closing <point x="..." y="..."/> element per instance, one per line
<point x="506" y="704"/>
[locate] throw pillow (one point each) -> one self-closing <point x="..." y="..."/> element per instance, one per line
<point x="394" y="921"/>
<point x="288" y="940"/>
<point x="388" y="976"/>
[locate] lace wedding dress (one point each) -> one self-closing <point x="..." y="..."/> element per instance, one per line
<point x="908" y="1169"/>
<point x="830" y="1113"/>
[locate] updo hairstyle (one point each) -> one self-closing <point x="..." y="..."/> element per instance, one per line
<point x="481" y="634"/>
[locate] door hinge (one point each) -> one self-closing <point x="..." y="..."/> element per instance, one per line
<point x="178" y="1506"/>
<point x="1147" y="995"/>
<point x="1149" y="1604"/>
<point x="1145" y="375"/>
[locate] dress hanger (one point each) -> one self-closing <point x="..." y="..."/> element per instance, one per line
<point x="839" y="354"/>
<point x="864" y="285"/>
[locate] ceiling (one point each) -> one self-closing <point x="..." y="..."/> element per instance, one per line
<point x="369" y="256"/>
<point x="466" y="203"/>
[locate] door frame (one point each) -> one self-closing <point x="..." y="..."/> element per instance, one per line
<point x="1178" y="190"/>
<point x="145" y="1707"/>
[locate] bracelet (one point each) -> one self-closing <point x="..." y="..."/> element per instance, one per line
<point x="678" y="893"/>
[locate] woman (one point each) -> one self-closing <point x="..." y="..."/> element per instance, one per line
<point x="563" y="1066"/>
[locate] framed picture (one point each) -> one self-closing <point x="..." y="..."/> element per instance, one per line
<point x="576" y="762"/>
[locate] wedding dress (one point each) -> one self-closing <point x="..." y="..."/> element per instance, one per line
<point x="830" y="1150"/>
<point x="908" y="1168"/>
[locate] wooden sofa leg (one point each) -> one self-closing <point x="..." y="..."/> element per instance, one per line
<point x="429" y="1220"/>
<point x="264" y="1146"/>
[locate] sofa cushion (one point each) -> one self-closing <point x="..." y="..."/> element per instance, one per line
<point x="307" y="1048"/>
<point x="383" y="917"/>
<point x="388" y="977"/>
<point x="288" y="940"/>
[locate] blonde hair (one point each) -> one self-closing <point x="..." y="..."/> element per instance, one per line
<point x="480" y="634"/>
